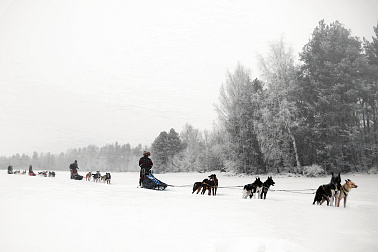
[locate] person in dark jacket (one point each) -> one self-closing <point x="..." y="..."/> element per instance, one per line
<point x="73" y="168"/>
<point x="31" y="170"/>
<point x="145" y="164"/>
<point x="10" y="169"/>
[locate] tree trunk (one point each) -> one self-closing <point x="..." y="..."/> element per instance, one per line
<point x="299" y="166"/>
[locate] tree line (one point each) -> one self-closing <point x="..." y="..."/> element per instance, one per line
<point x="320" y="112"/>
<point x="111" y="157"/>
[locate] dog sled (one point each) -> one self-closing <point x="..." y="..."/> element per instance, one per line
<point x="75" y="175"/>
<point x="31" y="172"/>
<point x="148" y="181"/>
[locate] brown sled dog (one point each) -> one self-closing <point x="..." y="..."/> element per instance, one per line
<point x="88" y="176"/>
<point x="344" y="191"/>
<point x="214" y="178"/>
<point x="210" y="184"/>
<point x="197" y="187"/>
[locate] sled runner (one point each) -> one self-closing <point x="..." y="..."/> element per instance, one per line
<point x="150" y="182"/>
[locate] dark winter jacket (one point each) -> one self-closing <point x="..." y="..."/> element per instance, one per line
<point x="145" y="163"/>
<point x="74" y="167"/>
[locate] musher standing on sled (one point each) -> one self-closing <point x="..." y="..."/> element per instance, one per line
<point x="10" y="169"/>
<point x="73" y="169"/>
<point x="145" y="164"/>
<point x="31" y="173"/>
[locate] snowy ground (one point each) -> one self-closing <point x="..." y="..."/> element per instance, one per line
<point x="59" y="214"/>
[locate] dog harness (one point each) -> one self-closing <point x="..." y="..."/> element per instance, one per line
<point x="345" y="191"/>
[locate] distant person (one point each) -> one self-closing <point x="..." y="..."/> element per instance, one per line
<point x="73" y="168"/>
<point x="10" y="169"/>
<point x="31" y="173"/>
<point x="145" y="164"/>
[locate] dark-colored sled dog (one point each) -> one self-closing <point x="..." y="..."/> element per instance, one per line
<point x="250" y="189"/>
<point x="210" y="184"/>
<point x="335" y="180"/>
<point x="329" y="191"/>
<point x="265" y="187"/>
<point x="323" y="194"/>
<point x="197" y="187"/>
<point x="96" y="176"/>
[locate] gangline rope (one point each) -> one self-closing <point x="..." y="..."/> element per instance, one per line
<point x="301" y="191"/>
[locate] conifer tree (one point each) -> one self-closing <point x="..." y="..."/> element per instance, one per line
<point x="332" y="62"/>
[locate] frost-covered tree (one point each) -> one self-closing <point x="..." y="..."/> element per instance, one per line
<point x="279" y="116"/>
<point x="238" y="102"/>
<point x="193" y="155"/>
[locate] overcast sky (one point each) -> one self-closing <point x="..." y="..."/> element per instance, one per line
<point x="80" y="72"/>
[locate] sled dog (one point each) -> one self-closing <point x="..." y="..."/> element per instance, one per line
<point x="88" y="176"/>
<point x="335" y="180"/>
<point x="214" y="188"/>
<point x="96" y="176"/>
<point x="265" y="187"/>
<point x="323" y="194"/>
<point x="107" y="178"/>
<point x="250" y="189"/>
<point x="197" y="187"/>
<point x="343" y="193"/>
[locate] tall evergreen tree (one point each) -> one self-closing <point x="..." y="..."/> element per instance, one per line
<point x="332" y="61"/>
<point x="369" y="99"/>
<point x="164" y="147"/>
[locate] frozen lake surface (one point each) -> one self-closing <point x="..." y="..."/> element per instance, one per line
<point x="60" y="214"/>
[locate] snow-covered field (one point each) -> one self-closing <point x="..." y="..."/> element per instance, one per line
<point x="60" y="214"/>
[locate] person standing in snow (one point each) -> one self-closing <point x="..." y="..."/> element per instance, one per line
<point x="73" y="168"/>
<point x="145" y="164"/>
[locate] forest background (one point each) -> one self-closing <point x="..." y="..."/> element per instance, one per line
<point x="316" y="115"/>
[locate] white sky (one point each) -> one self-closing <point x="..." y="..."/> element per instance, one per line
<point x="80" y="72"/>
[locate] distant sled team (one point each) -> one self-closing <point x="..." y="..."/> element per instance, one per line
<point x="105" y="178"/>
<point x="31" y="172"/>
<point x="45" y="174"/>
<point x="98" y="178"/>
<point x="334" y="191"/>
